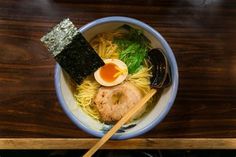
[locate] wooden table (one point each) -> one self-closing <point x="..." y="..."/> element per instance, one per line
<point x="202" y="35"/>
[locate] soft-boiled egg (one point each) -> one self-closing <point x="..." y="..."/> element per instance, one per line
<point x="112" y="73"/>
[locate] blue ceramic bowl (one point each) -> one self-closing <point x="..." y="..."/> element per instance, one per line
<point x="64" y="87"/>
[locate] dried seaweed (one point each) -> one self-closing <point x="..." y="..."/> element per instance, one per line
<point x="72" y="51"/>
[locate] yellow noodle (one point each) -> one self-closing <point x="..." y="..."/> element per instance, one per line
<point x="104" y="46"/>
<point x="141" y="79"/>
<point x="84" y="95"/>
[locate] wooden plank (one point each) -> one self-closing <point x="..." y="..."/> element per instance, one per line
<point x="138" y="143"/>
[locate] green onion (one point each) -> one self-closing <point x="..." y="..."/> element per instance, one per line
<point x="133" y="47"/>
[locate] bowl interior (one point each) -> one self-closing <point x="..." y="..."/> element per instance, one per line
<point x="94" y="127"/>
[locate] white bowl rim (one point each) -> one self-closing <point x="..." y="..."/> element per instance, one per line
<point x="174" y="69"/>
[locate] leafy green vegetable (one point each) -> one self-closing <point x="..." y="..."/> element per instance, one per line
<point x="133" y="47"/>
<point x="133" y="56"/>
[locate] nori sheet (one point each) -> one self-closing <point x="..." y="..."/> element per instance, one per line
<point x="79" y="59"/>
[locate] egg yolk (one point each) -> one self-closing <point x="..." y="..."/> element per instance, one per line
<point x="108" y="71"/>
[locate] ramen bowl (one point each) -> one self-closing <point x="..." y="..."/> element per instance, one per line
<point x="64" y="86"/>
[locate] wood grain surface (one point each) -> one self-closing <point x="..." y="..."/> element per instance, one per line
<point x="137" y="143"/>
<point x="201" y="33"/>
